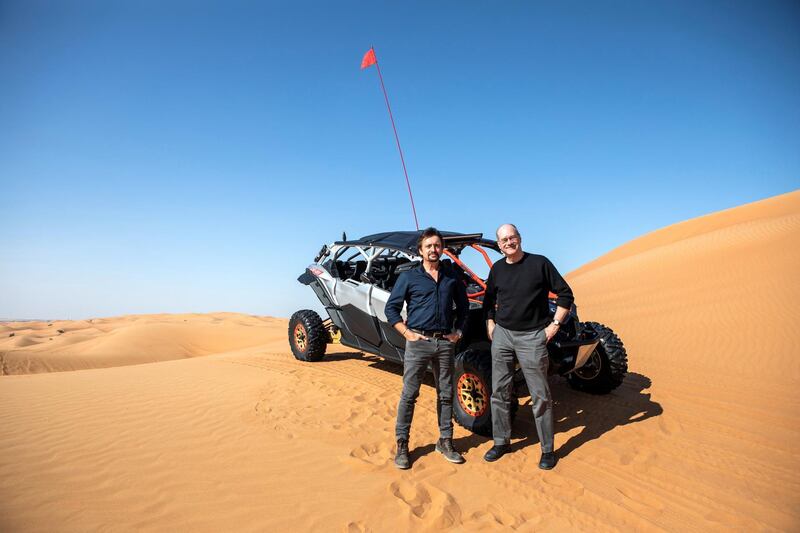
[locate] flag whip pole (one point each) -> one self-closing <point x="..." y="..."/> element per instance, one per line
<point x="396" y="138"/>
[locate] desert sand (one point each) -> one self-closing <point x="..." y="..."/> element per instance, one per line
<point x="207" y="422"/>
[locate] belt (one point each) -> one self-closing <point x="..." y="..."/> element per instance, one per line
<point x="435" y="334"/>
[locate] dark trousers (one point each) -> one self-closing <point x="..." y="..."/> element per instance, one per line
<point x="439" y="353"/>
<point x="530" y="348"/>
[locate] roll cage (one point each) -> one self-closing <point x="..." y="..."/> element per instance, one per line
<point x="381" y="258"/>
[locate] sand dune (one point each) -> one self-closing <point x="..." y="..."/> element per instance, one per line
<point x="31" y="347"/>
<point x="224" y="430"/>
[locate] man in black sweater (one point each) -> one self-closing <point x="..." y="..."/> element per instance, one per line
<point x="518" y="323"/>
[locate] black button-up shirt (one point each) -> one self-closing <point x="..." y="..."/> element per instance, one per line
<point x="430" y="303"/>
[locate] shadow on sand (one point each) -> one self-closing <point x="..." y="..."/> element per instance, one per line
<point x="594" y="414"/>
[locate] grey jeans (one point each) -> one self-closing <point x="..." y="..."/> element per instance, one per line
<point x="439" y="353"/>
<point x="530" y="348"/>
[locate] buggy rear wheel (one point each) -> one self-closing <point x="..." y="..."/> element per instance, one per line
<point x="606" y="367"/>
<point x="308" y="337"/>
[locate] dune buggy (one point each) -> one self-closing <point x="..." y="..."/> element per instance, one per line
<point x="353" y="280"/>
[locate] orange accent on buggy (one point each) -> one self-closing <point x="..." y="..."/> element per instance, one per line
<point x="300" y="337"/>
<point x="483" y="253"/>
<point x="477" y="279"/>
<point x="471" y="394"/>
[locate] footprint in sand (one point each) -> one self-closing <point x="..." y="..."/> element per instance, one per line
<point x="376" y="453"/>
<point x="495" y="515"/>
<point x="416" y="498"/>
<point x="568" y="487"/>
<point x="428" y="503"/>
<point x="637" y="456"/>
<point x="262" y="409"/>
<point x="355" y="527"/>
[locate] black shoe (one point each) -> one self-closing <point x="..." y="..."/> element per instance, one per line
<point x="401" y="460"/>
<point x="548" y="460"/>
<point x="445" y="447"/>
<point x="496" y="452"/>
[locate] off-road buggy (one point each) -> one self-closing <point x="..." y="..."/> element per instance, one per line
<point x="353" y="280"/>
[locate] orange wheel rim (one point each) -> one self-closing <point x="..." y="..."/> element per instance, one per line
<point x="472" y="394"/>
<point x="300" y="337"/>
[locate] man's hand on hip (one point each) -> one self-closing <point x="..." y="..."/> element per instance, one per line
<point x="414" y="336"/>
<point x="453" y="337"/>
<point x="550" y="331"/>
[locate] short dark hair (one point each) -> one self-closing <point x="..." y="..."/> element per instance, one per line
<point x="427" y="233"/>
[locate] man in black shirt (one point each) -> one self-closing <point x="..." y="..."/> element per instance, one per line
<point x="518" y="322"/>
<point x="430" y="290"/>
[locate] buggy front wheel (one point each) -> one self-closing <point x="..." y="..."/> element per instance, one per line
<point x="472" y="391"/>
<point x="308" y="337"/>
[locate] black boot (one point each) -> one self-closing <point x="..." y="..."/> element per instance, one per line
<point x="496" y="452"/>
<point x="548" y="460"/>
<point x="401" y="460"/>
<point x="445" y="447"/>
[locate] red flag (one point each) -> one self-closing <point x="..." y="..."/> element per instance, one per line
<point x="369" y="59"/>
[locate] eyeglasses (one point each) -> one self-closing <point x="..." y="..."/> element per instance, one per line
<point x="509" y="239"/>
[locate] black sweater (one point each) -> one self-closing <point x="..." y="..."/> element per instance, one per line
<point x="516" y="294"/>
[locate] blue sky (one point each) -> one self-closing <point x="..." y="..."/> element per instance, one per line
<point x="193" y="156"/>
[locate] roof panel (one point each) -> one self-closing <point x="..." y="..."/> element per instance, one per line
<point x="407" y="240"/>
